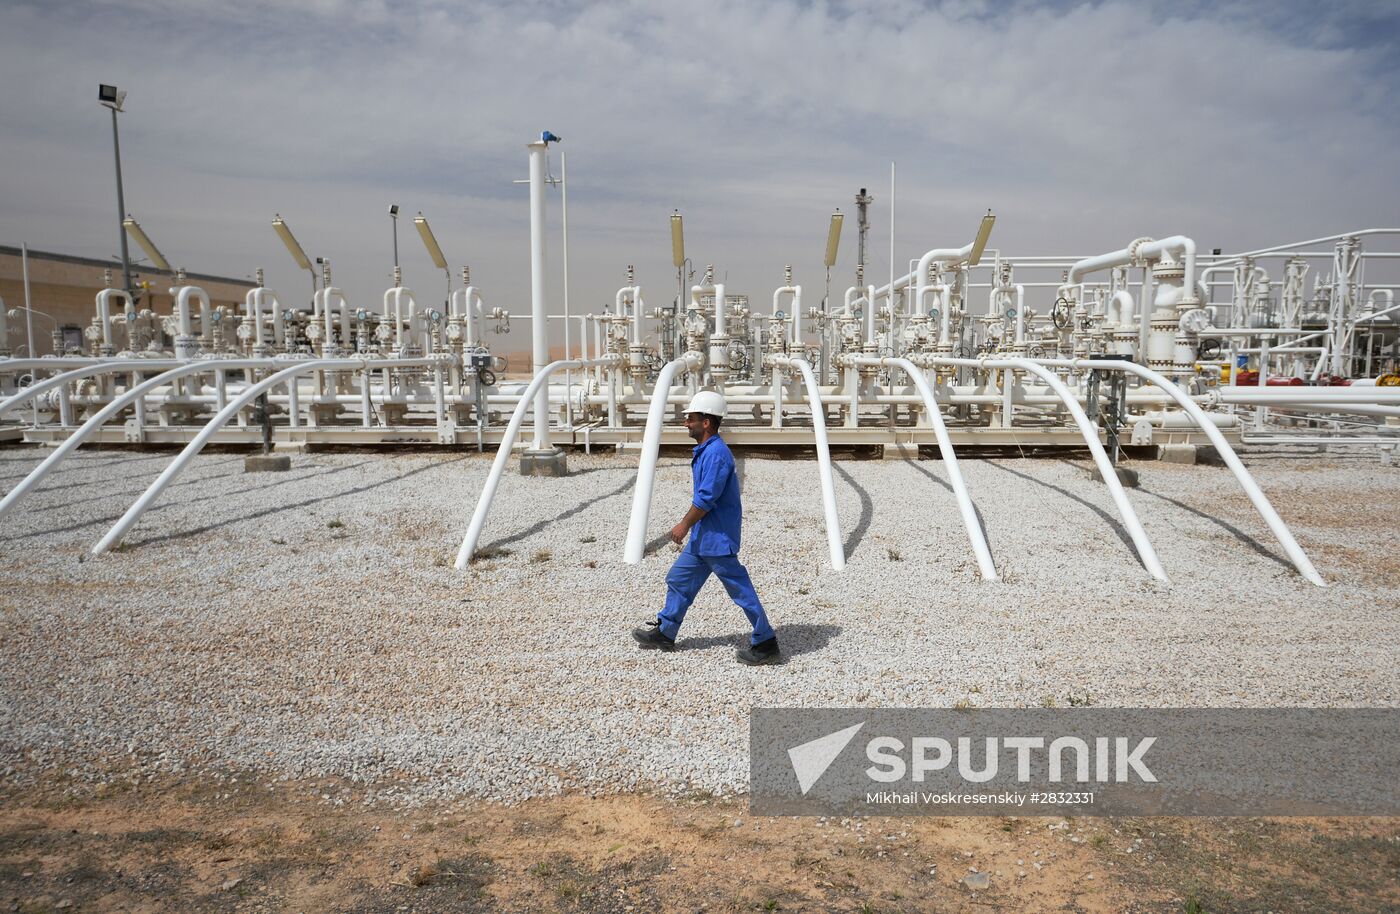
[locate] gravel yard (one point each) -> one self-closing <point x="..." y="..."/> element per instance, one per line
<point x="309" y="624"/>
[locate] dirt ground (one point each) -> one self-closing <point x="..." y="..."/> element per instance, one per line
<point x="237" y="842"/>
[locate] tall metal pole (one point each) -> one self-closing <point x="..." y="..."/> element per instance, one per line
<point x="863" y="201"/>
<point x="538" y="331"/>
<point x="121" y="209"/>
<point x="28" y="314"/>
<point x="564" y="214"/>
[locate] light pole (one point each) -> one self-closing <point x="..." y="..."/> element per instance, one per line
<point x="425" y="231"/>
<point x="294" y="249"/>
<point x="112" y="97"/>
<point x="394" y="217"/>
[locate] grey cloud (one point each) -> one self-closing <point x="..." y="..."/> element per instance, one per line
<point x="1082" y="124"/>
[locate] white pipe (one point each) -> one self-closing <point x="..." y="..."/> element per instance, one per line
<point x="83" y="371"/>
<point x="104" y="312"/>
<point x="833" y="524"/>
<point x="1021" y="313"/>
<point x="475" y="303"/>
<point x="1091" y="439"/>
<point x="326" y="295"/>
<point x="254" y="302"/>
<point x="1256" y="495"/>
<point x="1378" y="396"/>
<point x="396" y="294"/>
<point x="1177" y="245"/>
<point x="853" y="295"/>
<point x="1312" y="241"/>
<point x="646" y="468"/>
<point x="493" y="478"/>
<point x="538" y="329"/>
<point x="634" y="294"/>
<point x="796" y="293"/>
<point x="719" y="351"/>
<point x="89" y="427"/>
<point x="946" y="257"/>
<point x="975" y="533"/>
<point x="182" y="308"/>
<point x="147" y="497"/>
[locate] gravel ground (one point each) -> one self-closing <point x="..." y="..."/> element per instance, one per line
<point x="310" y="624"/>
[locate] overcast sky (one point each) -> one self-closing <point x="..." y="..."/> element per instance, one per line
<point x="1083" y="125"/>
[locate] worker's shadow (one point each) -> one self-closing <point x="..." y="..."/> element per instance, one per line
<point x="795" y="640"/>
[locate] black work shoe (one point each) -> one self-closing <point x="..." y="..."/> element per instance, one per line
<point x="761" y="653"/>
<point x="650" y="638"/>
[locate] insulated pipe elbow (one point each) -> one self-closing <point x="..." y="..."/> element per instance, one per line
<point x="853" y="294"/>
<point x="796" y="293"/>
<point x="104" y="313"/>
<point x="1176" y="244"/>
<point x="182" y="308"/>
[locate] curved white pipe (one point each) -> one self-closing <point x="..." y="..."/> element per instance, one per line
<point x="1142" y="249"/>
<point x="853" y="294"/>
<point x="104" y="312"/>
<point x="326" y="295"/>
<point x="646" y="468"/>
<point x="118" y="404"/>
<point x="975" y="534"/>
<point x="634" y="295"/>
<point x="182" y="309"/>
<point x="947" y="257"/>
<point x="1227" y="454"/>
<point x="1091" y="439"/>
<point x="796" y="292"/>
<point x="719" y="351"/>
<point x="258" y="298"/>
<point x="83" y="371"/>
<point x="220" y="419"/>
<point x="398" y="293"/>
<point x="493" y="478"/>
<point x="471" y="298"/>
<point x="833" y="523"/>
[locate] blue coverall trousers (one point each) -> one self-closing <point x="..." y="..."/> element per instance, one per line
<point x="689" y="574"/>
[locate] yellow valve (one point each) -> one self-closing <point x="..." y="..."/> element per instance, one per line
<point x="1388" y="380"/>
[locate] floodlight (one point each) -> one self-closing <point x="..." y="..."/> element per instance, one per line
<point x="430" y="242"/>
<point x="134" y="229"/>
<point x="984" y="231"/>
<point x="111" y="96"/>
<point x="833" y="238"/>
<point x="291" y="242"/>
<point x="677" y="240"/>
<point x="393" y="209"/>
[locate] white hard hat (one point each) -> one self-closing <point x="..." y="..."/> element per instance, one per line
<point x="708" y="402"/>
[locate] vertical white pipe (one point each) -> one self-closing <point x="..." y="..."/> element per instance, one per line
<point x="833" y="523"/>
<point x="538" y="327"/>
<point x="976" y="536"/>
<point x="1256" y="495"/>
<point x="493" y="478"/>
<point x="1146" y="553"/>
<point x="646" y="469"/>
<point x="104" y="314"/>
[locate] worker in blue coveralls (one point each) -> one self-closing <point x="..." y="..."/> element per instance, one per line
<point x="713" y="524"/>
